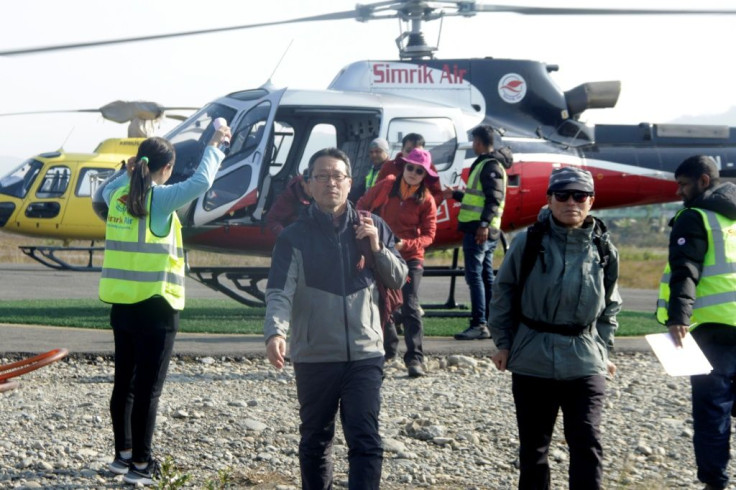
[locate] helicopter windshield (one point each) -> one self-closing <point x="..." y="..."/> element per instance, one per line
<point x="18" y="182"/>
<point x="191" y="137"/>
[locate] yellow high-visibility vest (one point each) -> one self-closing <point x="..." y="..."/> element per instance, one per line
<point x="138" y="264"/>
<point x="371" y="176"/>
<point x="715" y="294"/>
<point x="474" y="199"/>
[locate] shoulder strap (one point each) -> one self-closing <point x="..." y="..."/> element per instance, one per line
<point x="532" y="249"/>
<point x="601" y="243"/>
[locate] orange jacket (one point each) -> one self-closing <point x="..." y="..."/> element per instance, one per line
<point x="415" y="223"/>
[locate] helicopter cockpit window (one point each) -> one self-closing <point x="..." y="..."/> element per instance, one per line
<point x="18" y="182"/>
<point x="227" y="189"/>
<point x="89" y="179"/>
<point x="439" y="136"/>
<point x="248" y="135"/>
<point x="190" y="138"/>
<point x="54" y="183"/>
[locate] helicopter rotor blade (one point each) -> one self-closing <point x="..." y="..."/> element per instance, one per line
<point x="415" y="10"/>
<point x="470" y="8"/>
<point x="349" y="14"/>
<point x="119" y="111"/>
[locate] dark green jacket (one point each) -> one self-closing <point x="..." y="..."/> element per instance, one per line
<point x="570" y="291"/>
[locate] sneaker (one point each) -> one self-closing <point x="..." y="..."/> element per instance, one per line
<point x="416" y="371"/>
<point x="120" y="465"/>
<point x="474" y="332"/>
<point x="134" y="476"/>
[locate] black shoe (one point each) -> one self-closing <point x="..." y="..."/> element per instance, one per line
<point x="416" y="371"/>
<point x="145" y="476"/>
<point x="474" y="332"/>
<point x="119" y="466"/>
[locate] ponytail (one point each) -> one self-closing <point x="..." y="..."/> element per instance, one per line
<point x="153" y="154"/>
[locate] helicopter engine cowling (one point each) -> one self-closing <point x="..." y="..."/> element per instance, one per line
<point x="592" y="95"/>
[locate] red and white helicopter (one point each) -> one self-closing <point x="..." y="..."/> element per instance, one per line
<point x="276" y="130"/>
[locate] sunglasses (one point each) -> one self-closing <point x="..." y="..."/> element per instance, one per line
<point x="577" y="196"/>
<point x="414" y="169"/>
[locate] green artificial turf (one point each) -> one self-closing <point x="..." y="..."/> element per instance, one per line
<point x="224" y="316"/>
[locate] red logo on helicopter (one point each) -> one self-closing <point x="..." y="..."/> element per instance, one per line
<point x="512" y="88"/>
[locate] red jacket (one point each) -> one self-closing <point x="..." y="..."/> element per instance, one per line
<point x="287" y="207"/>
<point x="413" y="222"/>
<point x="396" y="166"/>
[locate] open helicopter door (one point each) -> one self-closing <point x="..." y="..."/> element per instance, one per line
<point x="238" y="179"/>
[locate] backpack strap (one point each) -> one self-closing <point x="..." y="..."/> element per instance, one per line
<point x="601" y="243"/>
<point x="533" y="249"/>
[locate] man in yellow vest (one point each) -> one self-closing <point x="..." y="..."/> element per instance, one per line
<point x="479" y="219"/>
<point x="698" y="293"/>
<point x="378" y="153"/>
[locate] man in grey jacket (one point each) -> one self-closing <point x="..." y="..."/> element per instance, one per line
<point x="554" y="331"/>
<point x="321" y="288"/>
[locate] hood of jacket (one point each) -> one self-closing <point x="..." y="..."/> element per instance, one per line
<point x="720" y="199"/>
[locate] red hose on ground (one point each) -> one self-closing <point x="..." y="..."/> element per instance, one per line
<point x="24" y="366"/>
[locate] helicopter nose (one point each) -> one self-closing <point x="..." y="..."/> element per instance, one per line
<point x="6" y="211"/>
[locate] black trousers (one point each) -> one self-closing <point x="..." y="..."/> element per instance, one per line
<point x="144" y="339"/>
<point x="537" y="402"/>
<point x="410" y="318"/>
<point x="355" y="388"/>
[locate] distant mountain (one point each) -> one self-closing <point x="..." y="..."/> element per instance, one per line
<point x="727" y="118"/>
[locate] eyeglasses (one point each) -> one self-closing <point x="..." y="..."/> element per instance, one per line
<point x="414" y="169"/>
<point x="325" y="178"/>
<point x="577" y="196"/>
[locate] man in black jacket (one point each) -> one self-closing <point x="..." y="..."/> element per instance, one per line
<point x="698" y="293"/>
<point x="479" y="219"/>
<point x="320" y="288"/>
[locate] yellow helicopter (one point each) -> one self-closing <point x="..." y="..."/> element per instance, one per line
<point x="49" y="195"/>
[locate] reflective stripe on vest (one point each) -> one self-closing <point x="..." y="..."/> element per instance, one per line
<point x="715" y="294"/>
<point x="138" y="264"/>
<point x="474" y="198"/>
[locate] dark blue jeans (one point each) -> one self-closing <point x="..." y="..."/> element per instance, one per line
<point x="355" y="389"/>
<point x="713" y="398"/>
<point x="410" y="318"/>
<point x="144" y="339"/>
<point x="479" y="276"/>
<point x="537" y="402"/>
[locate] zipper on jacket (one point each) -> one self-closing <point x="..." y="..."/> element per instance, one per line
<point x="344" y="299"/>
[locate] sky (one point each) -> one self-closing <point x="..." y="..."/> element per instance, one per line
<point x="671" y="67"/>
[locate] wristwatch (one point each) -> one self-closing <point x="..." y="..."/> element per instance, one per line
<point x="484" y="224"/>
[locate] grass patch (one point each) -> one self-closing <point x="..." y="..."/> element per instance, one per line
<point x="226" y="316"/>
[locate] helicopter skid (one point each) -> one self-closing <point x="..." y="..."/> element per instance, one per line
<point x="47" y="256"/>
<point x="241" y="284"/>
<point x="244" y="282"/>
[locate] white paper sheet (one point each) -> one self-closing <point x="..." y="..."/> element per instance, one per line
<point x="686" y="361"/>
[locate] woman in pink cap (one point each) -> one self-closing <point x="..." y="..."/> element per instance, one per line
<point x="407" y="206"/>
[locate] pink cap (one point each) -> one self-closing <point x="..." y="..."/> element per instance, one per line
<point x="422" y="158"/>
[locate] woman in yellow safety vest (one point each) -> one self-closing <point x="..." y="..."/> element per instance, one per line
<point x="143" y="279"/>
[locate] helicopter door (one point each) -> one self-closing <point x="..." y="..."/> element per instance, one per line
<point x="236" y="185"/>
<point x="47" y="205"/>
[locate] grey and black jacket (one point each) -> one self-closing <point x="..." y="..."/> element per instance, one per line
<point x="567" y="285"/>
<point x="319" y="288"/>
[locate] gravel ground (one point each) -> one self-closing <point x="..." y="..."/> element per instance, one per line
<point x="236" y="420"/>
